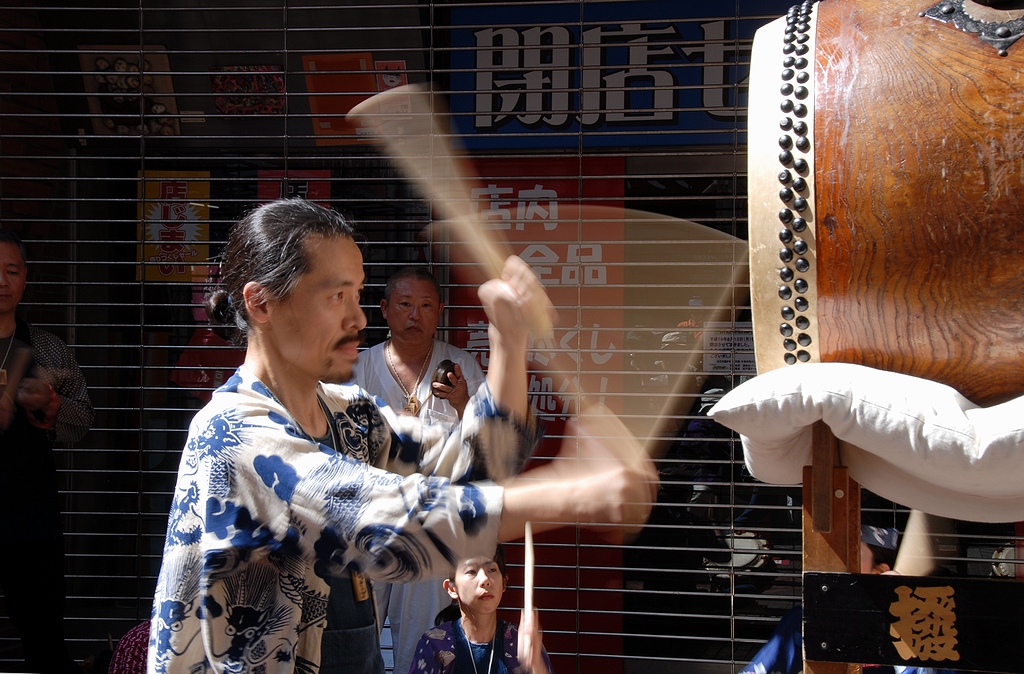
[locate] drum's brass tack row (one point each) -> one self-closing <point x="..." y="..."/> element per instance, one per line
<point x="795" y="214"/>
<point x="781" y="180"/>
<point x="913" y="131"/>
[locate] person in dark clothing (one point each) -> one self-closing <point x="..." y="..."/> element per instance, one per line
<point x="469" y="638"/>
<point x="43" y="399"/>
<point x="783" y="654"/>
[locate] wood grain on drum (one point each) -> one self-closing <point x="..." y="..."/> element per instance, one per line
<point x="919" y="152"/>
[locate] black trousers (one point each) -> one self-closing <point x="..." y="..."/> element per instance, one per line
<point x="32" y="577"/>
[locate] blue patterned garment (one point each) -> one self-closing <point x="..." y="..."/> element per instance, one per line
<point x="262" y="513"/>
<point x="438" y="647"/>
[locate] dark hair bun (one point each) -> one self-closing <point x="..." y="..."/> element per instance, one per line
<point x="219" y="309"/>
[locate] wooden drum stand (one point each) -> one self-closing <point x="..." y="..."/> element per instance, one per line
<point x="886" y="211"/>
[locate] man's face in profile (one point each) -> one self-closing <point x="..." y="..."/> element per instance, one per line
<point x="316" y="330"/>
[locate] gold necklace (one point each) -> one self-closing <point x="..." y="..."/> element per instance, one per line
<point x="412" y="403"/>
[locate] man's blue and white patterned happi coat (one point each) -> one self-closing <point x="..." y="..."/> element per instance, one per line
<point x="262" y="512"/>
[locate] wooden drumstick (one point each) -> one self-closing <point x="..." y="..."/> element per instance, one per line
<point x="678" y="401"/>
<point x="528" y="560"/>
<point x="919" y="548"/>
<point x="409" y="123"/>
<point x="528" y="566"/>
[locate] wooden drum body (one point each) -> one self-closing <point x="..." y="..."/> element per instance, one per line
<point x="886" y="209"/>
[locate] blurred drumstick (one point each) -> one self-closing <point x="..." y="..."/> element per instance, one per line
<point x="527" y="590"/>
<point x="685" y="388"/>
<point x="919" y="548"/>
<point x="408" y="121"/>
<point x="528" y="569"/>
<point x="721" y="263"/>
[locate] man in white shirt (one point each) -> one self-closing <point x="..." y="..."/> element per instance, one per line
<point x="400" y="370"/>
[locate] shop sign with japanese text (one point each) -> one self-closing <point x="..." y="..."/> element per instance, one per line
<point x="643" y="72"/>
<point x="536" y="207"/>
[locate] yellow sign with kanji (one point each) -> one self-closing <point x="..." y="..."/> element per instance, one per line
<point x="174" y="215"/>
<point x="926" y="625"/>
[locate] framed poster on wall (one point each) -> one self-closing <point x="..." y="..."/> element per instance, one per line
<point x="116" y="77"/>
<point x="174" y="225"/>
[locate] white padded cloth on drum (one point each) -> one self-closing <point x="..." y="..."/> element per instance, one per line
<point x="907" y="439"/>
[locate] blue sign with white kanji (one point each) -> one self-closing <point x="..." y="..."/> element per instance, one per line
<point x="640" y="72"/>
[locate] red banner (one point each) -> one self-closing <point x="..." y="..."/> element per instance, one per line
<point x="546" y="212"/>
<point x="538" y="207"/>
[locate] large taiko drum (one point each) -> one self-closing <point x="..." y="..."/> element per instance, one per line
<point x="886" y="207"/>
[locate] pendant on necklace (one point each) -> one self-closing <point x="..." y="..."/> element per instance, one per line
<point x="412" y="405"/>
<point x="3" y="377"/>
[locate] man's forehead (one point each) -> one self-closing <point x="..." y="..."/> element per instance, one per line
<point x="414" y="287"/>
<point x="337" y="261"/>
<point x="341" y="275"/>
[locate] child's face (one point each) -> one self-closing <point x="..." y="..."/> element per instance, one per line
<point x="478" y="585"/>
